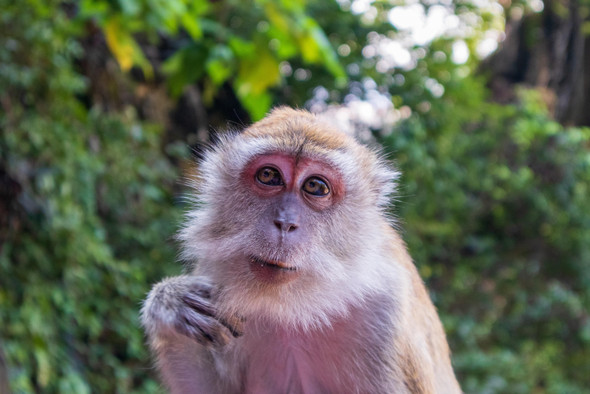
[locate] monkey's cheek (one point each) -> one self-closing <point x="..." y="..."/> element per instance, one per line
<point x="272" y="274"/>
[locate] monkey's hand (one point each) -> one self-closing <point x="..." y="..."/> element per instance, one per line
<point x="183" y="305"/>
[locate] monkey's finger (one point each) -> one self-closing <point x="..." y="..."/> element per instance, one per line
<point x="203" y="329"/>
<point x="193" y="332"/>
<point x="234" y="325"/>
<point x="199" y="304"/>
<point x="202" y="289"/>
<point x="206" y="308"/>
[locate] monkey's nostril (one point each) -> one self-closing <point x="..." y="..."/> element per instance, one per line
<point x="285" y="226"/>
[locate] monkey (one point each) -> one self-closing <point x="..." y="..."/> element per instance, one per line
<point x="299" y="281"/>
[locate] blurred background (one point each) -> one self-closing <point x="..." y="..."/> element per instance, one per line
<point x="482" y="104"/>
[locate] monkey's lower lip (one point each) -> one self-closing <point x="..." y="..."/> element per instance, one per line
<point x="278" y="265"/>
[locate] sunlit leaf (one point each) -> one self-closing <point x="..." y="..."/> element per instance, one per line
<point x="124" y="48"/>
<point x="191" y="24"/>
<point x="258" y="74"/>
<point x="310" y="50"/>
<point x="297" y="31"/>
<point x="279" y="20"/>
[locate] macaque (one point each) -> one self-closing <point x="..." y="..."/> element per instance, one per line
<point x="300" y="284"/>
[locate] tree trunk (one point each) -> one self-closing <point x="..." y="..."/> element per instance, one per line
<point x="549" y="51"/>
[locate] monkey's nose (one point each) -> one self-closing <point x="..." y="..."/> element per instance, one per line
<point x="285" y="225"/>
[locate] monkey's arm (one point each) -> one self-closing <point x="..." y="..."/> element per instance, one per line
<point x="182" y="327"/>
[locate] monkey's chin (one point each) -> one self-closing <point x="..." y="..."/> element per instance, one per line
<point x="272" y="272"/>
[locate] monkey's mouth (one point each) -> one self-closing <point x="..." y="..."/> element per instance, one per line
<point x="272" y="264"/>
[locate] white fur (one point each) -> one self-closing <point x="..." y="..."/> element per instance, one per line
<point x="326" y="288"/>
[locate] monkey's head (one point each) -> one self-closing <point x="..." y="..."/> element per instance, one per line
<point x="289" y="220"/>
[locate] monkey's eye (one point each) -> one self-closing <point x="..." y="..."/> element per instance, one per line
<point x="269" y="176"/>
<point x="316" y="187"/>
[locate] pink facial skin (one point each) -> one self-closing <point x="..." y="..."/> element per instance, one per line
<point x="294" y="173"/>
<point x="288" y="198"/>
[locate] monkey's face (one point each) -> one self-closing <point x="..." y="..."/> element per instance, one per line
<point x="291" y="197"/>
<point x="287" y="223"/>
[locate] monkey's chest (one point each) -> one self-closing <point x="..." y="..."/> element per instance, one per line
<point x="285" y="371"/>
<point x="284" y="364"/>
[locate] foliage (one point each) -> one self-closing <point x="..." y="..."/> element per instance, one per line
<point x="90" y="227"/>
<point x="492" y="200"/>
<point x="248" y="54"/>
<point x="495" y="210"/>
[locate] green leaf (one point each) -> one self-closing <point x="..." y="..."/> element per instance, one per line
<point x="257" y="104"/>
<point x="256" y="75"/>
<point x="220" y="64"/>
<point x="192" y="26"/>
<point x="124" y="47"/>
<point x="184" y="67"/>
